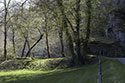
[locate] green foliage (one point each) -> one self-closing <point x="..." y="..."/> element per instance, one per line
<point x="36" y="64"/>
<point x="1" y="58"/>
<point x="49" y="64"/>
<point x="13" y="64"/>
<point x="9" y="57"/>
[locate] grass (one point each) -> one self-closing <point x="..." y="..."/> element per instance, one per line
<point x="113" y="72"/>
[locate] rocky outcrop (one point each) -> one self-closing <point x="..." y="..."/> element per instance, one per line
<point x="109" y="50"/>
<point x="116" y="28"/>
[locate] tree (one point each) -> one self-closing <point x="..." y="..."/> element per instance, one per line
<point x="6" y="6"/>
<point x="27" y="29"/>
<point x="46" y="32"/>
<point x="88" y="16"/>
<point x="78" y="20"/>
<point x="64" y="25"/>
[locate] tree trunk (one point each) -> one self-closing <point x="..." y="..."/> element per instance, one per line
<point x="24" y="46"/>
<point x="78" y="20"/>
<point x="13" y="40"/>
<point x="89" y="6"/>
<point x="60" y="4"/>
<point x="70" y="45"/>
<point x="28" y="44"/>
<point x="47" y="42"/>
<point x="61" y="42"/>
<point x="65" y="26"/>
<point x="5" y="31"/>
<point x="46" y="32"/>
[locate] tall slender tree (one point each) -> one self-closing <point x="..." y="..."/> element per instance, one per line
<point x="46" y="32"/>
<point x="13" y="40"/>
<point x="6" y="6"/>
<point x="64" y="25"/>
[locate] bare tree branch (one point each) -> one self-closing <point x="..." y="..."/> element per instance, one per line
<point x="8" y="3"/>
<point x="23" y="3"/>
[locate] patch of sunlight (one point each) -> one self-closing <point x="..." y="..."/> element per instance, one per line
<point x="92" y="55"/>
<point x="24" y="71"/>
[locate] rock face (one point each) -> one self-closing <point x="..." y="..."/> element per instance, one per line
<point x="109" y="50"/>
<point x="116" y="29"/>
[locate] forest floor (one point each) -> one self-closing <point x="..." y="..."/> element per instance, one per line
<point x="113" y="71"/>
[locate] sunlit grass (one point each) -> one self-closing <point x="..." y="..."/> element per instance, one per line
<point x="112" y="72"/>
<point x="92" y="55"/>
<point x="21" y="72"/>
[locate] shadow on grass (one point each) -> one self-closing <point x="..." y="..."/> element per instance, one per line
<point x="112" y="70"/>
<point x="35" y="78"/>
<point x="76" y="75"/>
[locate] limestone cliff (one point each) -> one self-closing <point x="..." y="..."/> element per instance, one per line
<point x="116" y="28"/>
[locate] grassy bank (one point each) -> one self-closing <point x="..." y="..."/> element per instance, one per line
<point x="113" y="72"/>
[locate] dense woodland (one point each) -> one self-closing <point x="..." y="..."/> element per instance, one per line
<point x="57" y="28"/>
<point x="74" y="29"/>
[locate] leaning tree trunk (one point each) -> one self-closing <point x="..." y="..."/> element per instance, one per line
<point x="41" y="36"/>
